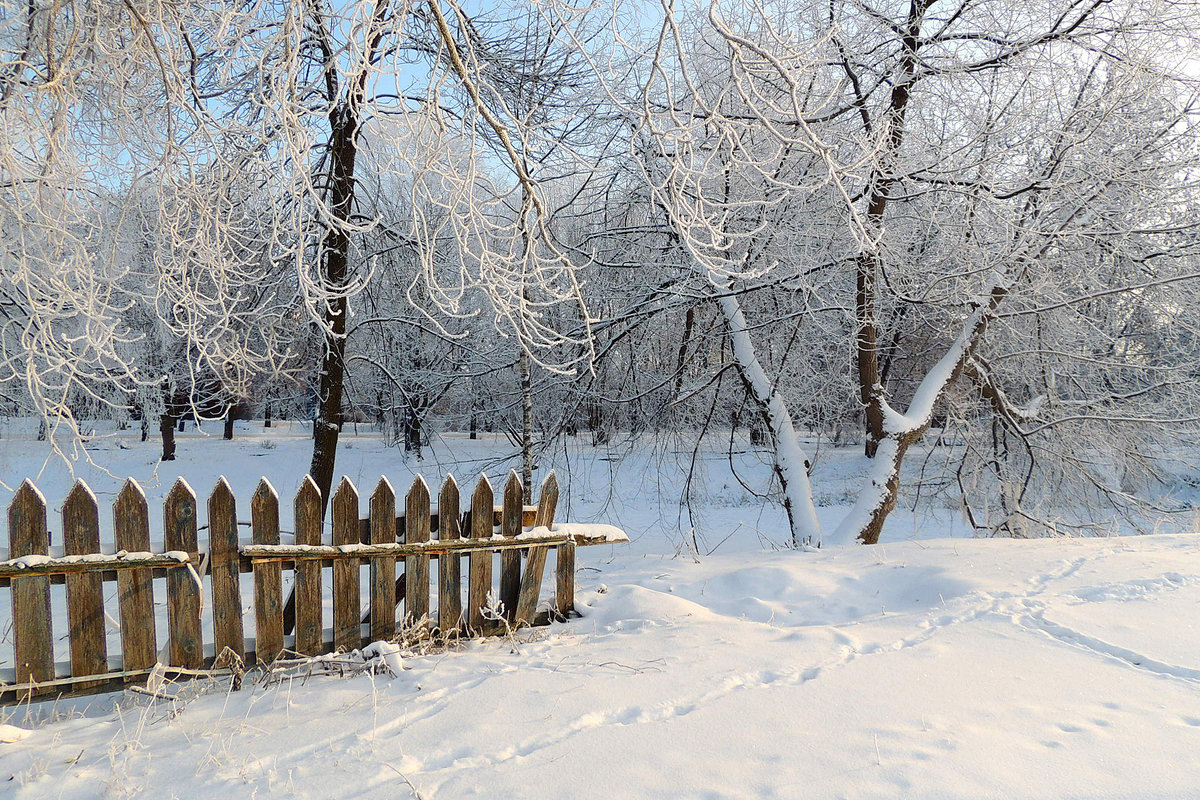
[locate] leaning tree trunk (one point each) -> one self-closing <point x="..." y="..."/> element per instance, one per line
<point x="790" y="462"/>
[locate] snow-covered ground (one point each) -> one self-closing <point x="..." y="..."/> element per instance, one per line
<point x="711" y="665"/>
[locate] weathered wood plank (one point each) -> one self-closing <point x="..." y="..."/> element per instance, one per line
<point x="135" y="587"/>
<point x="85" y="591"/>
<point x="416" y="568"/>
<point x="449" y="566"/>
<point x="186" y="647"/>
<point x="268" y="578"/>
<point x="535" y="564"/>
<point x="346" y="599"/>
<point x="106" y="566"/>
<point x="223" y="565"/>
<point x="479" y="578"/>
<point x="306" y="594"/>
<point x="531" y="585"/>
<point x="564" y="579"/>
<point x="510" y="560"/>
<point x="28" y="536"/>
<point x="383" y="568"/>
<point x="331" y="554"/>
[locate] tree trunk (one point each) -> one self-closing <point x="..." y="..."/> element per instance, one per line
<point x="881" y="181"/>
<point x="525" y="368"/>
<point x="334" y="250"/>
<point x="790" y="463"/>
<point x="267" y="421"/>
<point x="228" y="433"/>
<point x="166" y="427"/>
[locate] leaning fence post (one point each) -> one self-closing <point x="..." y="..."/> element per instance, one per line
<point x="479" y="581"/>
<point x="85" y="591"/>
<point x="135" y="587"/>
<point x="268" y="576"/>
<point x="510" y="560"/>
<point x="226" y="586"/>
<point x="28" y="536"/>
<point x="531" y="581"/>
<point x="186" y="647"/>
<point x="449" y="564"/>
<point x="347" y="630"/>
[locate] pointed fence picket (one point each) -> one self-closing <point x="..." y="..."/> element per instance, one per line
<point x="396" y="551"/>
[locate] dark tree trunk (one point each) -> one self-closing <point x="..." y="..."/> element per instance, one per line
<point x="167" y="428"/>
<point x="228" y="434"/>
<point x="335" y="246"/>
<point x="335" y="251"/>
<point x="267" y="412"/>
<point x="870" y="382"/>
<point x="412" y="430"/>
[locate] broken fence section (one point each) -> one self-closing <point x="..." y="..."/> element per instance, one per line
<point x="215" y="596"/>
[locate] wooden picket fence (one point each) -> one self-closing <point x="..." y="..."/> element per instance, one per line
<point x="380" y="541"/>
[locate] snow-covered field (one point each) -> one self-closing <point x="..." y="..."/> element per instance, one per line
<point x="705" y="665"/>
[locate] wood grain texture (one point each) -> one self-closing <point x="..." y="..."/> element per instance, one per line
<point x="449" y="566"/>
<point x="383" y="568"/>
<point x="135" y="587"/>
<point x="306" y="594"/>
<point x="223" y="566"/>
<point x="510" y="560"/>
<point x="535" y="564"/>
<point x="186" y="648"/>
<point x="416" y="568"/>
<point x="479" y="578"/>
<point x="268" y="578"/>
<point x="85" y="592"/>
<point x="27" y="536"/>
<point x="564" y="579"/>
<point x="346" y="598"/>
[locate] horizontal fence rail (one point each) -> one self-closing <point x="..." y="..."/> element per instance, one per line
<point x="325" y="606"/>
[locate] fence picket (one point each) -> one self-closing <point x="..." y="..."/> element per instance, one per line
<point x="306" y="594"/>
<point x="449" y="565"/>
<point x="85" y="591"/>
<point x="268" y="578"/>
<point x="383" y="569"/>
<point x="28" y="536"/>
<point x="510" y="560"/>
<point x="223" y="560"/>
<point x="135" y="587"/>
<point x="416" y="569"/>
<point x="479" y="580"/>
<point x="535" y="564"/>
<point x="347" y="632"/>
<point x="186" y="648"/>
